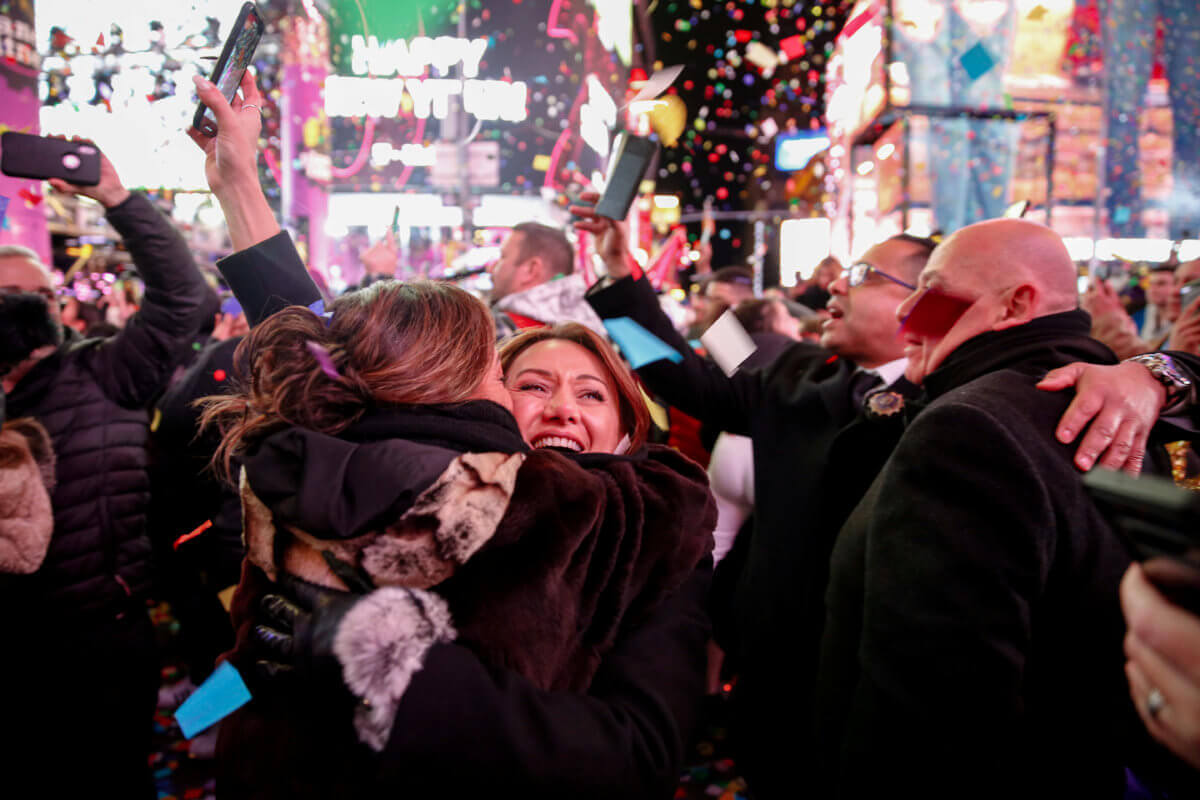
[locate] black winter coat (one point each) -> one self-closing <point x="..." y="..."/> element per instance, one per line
<point x="91" y="396"/>
<point x="973" y="640"/>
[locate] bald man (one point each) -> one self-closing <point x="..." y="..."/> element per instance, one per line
<point x="973" y="637"/>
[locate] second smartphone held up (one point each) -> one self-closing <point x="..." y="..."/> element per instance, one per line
<point x="231" y="66"/>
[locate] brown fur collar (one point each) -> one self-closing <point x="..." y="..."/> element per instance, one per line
<point x="450" y="520"/>
<point x="26" y="476"/>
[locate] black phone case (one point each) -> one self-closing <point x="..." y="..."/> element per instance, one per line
<point x="23" y="155"/>
<point x="630" y="159"/>
<point x="206" y="126"/>
<point x="1154" y="517"/>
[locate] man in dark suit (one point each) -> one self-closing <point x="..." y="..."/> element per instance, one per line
<point x="972" y="644"/>
<point x="816" y="450"/>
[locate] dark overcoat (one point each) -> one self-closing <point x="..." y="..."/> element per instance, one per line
<point x="973" y="640"/>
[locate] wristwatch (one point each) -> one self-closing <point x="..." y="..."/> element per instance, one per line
<point x="1163" y="369"/>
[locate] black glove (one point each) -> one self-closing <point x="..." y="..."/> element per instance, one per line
<point x="294" y="634"/>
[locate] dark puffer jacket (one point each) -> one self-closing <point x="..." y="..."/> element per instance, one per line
<point x="91" y="396"/>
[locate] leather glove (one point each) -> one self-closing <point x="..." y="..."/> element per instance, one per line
<point x="294" y="634"/>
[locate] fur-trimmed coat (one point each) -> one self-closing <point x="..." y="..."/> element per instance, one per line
<point x="26" y="479"/>
<point x="544" y="560"/>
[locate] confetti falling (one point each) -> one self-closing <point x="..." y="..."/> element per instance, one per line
<point x="754" y="69"/>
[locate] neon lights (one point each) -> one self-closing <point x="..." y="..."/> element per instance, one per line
<point x="353" y="96"/>
<point x="556" y="31"/>
<point x="384" y="97"/>
<point x="410" y="60"/>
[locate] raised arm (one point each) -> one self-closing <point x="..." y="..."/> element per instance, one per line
<point x="694" y="385"/>
<point x="134" y="365"/>
<point x="265" y="271"/>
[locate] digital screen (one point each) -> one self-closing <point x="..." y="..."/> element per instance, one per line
<point x="794" y="151"/>
<point x="534" y="81"/>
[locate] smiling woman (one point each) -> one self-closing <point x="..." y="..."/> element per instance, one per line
<point x="570" y="390"/>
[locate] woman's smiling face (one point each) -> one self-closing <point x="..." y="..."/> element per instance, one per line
<point x="563" y="396"/>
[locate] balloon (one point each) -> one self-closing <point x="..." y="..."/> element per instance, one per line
<point x="668" y="118"/>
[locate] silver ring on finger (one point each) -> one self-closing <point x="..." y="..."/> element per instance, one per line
<point x="1155" y="703"/>
<point x="251" y="105"/>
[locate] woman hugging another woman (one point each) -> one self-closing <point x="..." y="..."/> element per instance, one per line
<point x="381" y="459"/>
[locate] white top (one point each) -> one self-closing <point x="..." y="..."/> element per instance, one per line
<point x="731" y="477"/>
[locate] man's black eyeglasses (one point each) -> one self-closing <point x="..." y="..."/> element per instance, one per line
<point x="856" y="274"/>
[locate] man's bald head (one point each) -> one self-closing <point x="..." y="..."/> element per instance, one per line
<point x="1001" y="253"/>
<point x="1007" y="272"/>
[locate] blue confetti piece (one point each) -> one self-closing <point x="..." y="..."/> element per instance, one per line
<point x="640" y="346"/>
<point x="3" y="210"/>
<point x="977" y="61"/>
<point x="318" y="308"/>
<point x="1121" y="215"/>
<point x="223" y="693"/>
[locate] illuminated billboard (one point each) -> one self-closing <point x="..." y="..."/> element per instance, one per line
<point x="539" y="82"/>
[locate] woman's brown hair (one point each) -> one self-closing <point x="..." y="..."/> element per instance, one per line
<point x="635" y="417"/>
<point x="389" y="344"/>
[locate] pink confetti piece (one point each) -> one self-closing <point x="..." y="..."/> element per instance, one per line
<point x="321" y="354"/>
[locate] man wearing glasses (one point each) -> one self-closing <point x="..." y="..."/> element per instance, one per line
<point x="823" y="421"/>
<point x="815" y="453"/>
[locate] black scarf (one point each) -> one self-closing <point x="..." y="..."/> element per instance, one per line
<point x="1034" y="348"/>
<point x="330" y="486"/>
<point x="478" y="426"/>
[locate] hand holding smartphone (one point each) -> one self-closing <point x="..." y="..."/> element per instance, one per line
<point x="236" y="56"/>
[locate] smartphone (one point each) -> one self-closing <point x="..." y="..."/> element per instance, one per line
<point x="1188" y="294"/>
<point x="1160" y="525"/>
<point x="236" y="55"/>
<point x="23" y="155"/>
<point x="631" y="156"/>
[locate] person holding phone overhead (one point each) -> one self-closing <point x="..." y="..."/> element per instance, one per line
<point x="81" y="663"/>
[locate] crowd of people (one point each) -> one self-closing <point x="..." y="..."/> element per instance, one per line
<point x="468" y="560"/>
